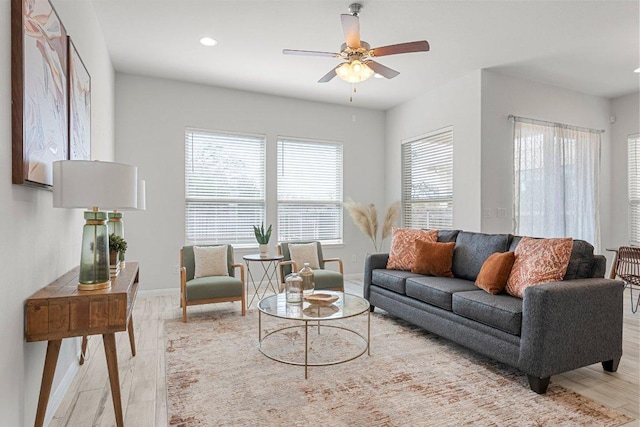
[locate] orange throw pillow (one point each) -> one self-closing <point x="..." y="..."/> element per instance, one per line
<point x="495" y="272"/>
<point x="433" y="258"/>
<point x="402" y="252"/>
<point x="538" y="261"/>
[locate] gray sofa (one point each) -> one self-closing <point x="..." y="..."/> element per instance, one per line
<point x="556" y="327"/>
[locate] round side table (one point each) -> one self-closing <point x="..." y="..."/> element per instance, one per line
<point x="269" y="264"/>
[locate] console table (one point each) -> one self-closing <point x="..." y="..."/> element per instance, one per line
<point x="60" y="311"/>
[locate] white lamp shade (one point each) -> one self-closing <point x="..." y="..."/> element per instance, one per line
<point x="85" y="184"/>
<point x="142" y="197"/>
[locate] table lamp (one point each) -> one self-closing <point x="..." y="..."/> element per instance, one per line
<point x="93" y="185"/>
<point x="116" y="224"/>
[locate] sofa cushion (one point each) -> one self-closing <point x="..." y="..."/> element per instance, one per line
<point x="210" y="261"/>
<point x="302" y="253"/>
<point x="581" y="262"/>
<point x="538" y="261"/>
<point x="472" y="250"/>
<point x="394" y="280"/>
<point x="327" y="279"/>
<point x="503" y="312"/>
<point x="437" y="290"/>
<point x="495" y="272"/>
<point x="213" y="287"/>
<point x="446" y="236"/>
<point x="433" y="258"/>
<point x="402" y="251"/>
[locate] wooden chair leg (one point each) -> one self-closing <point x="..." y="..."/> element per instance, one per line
<point x="184" y="312"/>
<point x="83" y="349"/>
<point x="132" y="339"/>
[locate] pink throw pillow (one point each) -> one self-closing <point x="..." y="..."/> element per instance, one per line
<point x="402" y="253"/>
<point x="538" y="261"/>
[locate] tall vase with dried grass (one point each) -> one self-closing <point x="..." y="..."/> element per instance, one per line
<point x="366" y="219"/>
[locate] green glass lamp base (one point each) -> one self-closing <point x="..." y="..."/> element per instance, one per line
<point x="94" y="256"/>
<point x="94" y="286"/>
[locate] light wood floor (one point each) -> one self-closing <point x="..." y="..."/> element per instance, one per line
<point x="142" y="378"/>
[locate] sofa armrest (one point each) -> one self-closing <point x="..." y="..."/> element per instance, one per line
<point x="570" y="324"/>
<point x="372" y="262"/>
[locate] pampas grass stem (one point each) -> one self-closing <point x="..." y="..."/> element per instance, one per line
<point x="366" y="219"/>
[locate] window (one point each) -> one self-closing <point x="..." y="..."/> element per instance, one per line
<point x="427" y="181"/>
<point x="556" y="178"/>
<point x="309" y="191"/>
<point x="634" y="188"/>
<point x="224" y="187"/>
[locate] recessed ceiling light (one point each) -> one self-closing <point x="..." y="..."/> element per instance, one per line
<point x="637" y="70"/>
<point x="208" y="41"/>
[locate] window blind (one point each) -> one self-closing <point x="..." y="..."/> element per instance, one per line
<point x="309" y="191"/>
<point x="633" y="143"/>
<point x="427" y="181"/>
<point x="224" y="187"/>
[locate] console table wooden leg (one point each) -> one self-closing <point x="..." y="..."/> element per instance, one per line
<point x="132" y="339"/>
<point x="109" y="341"/>
<point x="50" y="361"/>
<point x="83" y="350"/>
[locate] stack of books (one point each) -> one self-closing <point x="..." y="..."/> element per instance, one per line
<point x="114" y="269"/>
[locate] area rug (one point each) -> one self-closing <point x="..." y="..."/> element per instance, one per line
<point x="216" y="376"/>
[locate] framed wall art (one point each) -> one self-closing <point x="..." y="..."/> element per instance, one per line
<point x="39" y="55"/>
<point x="79" y="107"/>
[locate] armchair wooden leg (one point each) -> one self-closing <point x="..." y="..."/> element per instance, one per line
<point x="184" y="312"/>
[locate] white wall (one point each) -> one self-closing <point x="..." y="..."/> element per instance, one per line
<point x="503" y="95"/>
<point x="626" y="110"/>
<point x="151" y="117"/>
<point x="456" y="104"/>
<point x="41" y="243"/>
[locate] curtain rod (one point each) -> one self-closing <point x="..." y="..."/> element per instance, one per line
<point x="544" y="122"/>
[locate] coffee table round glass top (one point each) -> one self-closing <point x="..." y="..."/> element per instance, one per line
<point x="311" y="320"/>
<point x="347" y="305"/>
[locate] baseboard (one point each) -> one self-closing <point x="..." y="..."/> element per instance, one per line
<point x="55" y="399"/>
<point x="159" y="292"/>
<point x="354" y="277"/>
<point x="357" y="277"/>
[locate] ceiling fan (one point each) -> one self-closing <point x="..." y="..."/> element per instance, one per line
<point x="358" y="55"/>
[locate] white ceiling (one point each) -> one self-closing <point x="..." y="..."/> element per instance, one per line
<point x="587" y="46"/>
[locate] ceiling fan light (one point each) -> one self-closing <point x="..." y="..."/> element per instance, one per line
<point x="343" y="70"/>
<point x="354" y="71"/>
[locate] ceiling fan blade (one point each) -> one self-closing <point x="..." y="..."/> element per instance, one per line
<point x="310" y="53"/>
<point x="351" y="28"/>
<point x="331" y="74"/>
<point x="381" y="69"/>
<point x="394" y="49"/>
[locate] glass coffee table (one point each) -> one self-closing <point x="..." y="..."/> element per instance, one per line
<point x="322" y="327"/>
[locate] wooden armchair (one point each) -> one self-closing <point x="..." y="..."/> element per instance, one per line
<point x="324" y="279"/>
<point x="210" y="289"/>
<point x="627" y="267"/>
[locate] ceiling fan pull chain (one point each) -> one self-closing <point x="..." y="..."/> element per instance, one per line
<point x="353" y="85"/>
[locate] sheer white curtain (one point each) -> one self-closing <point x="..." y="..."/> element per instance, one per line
<point x="556" y="174"/>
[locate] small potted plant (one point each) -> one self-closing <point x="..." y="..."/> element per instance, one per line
<point x="117" y="248"/>
<point x="262" y="237"/>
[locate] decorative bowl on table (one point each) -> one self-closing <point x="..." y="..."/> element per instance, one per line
<point x="321" y="299"/>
